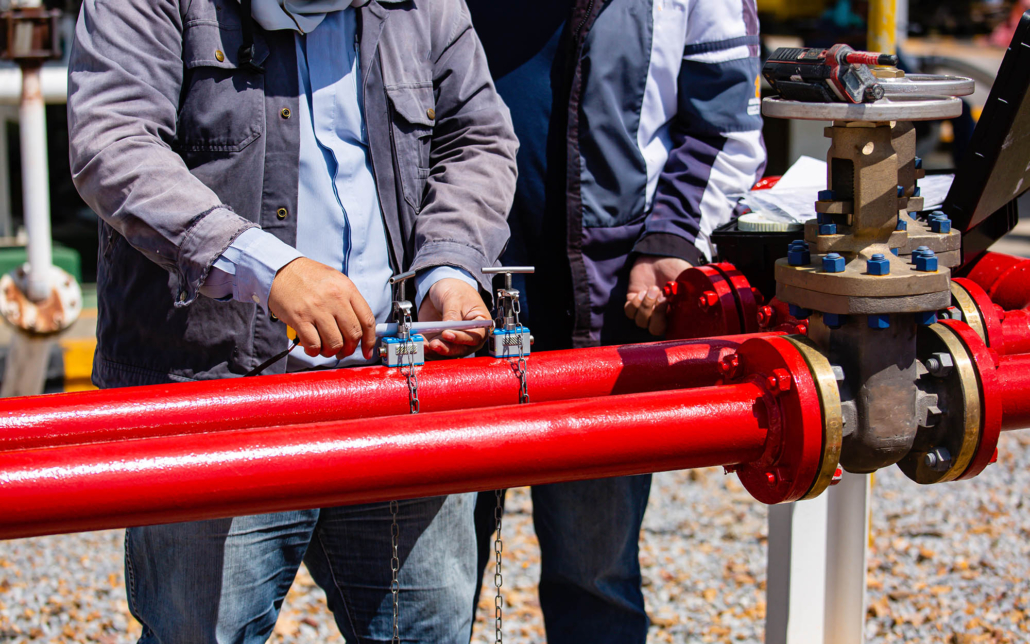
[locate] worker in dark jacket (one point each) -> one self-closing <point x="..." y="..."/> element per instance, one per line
<point x="264" y="163"/>
<point x="637" y="119"/>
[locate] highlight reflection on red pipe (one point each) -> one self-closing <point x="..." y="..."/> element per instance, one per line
<point x="1005" y="278"/>
<point x="180" y="478"/>
<point x="220" y="405"/>
<point x="1014" y="377"/>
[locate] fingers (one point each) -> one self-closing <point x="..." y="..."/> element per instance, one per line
<point x="659" y="319"/>
<point x="367" y="322"/>
<point x="647" y="306"/>
<point x="332" y="335"/>
<point x="309" y="339"/>
<point x="633" y="304"/>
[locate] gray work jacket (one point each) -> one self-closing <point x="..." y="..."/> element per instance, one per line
<point x="179" y="150"/>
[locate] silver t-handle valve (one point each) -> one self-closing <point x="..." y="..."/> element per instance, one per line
<point x="401" y="307"/>
<point x="507" y="296"/>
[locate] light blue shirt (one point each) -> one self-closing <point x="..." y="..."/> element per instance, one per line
<point x="339" y="221"/>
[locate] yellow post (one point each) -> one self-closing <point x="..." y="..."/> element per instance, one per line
<point x="882" y="26"/>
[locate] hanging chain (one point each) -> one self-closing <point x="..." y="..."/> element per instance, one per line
<point x="395" y="567"/>
<point x="410" y="372"/>
<point x="521" y="365"/>
<point x="498" y="578"/>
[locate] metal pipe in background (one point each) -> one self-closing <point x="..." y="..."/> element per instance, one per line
<point x="219" y="405"/>
<point x="185" y="478"/>
<point x="35" y="184"/>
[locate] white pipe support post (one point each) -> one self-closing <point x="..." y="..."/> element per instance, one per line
<point x="816" y="589"/>
<point x="35" y="184"/>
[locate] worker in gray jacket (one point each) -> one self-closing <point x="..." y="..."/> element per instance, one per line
<point x="262" y="166"/>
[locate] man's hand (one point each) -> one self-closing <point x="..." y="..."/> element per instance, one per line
<point x="325" y="309"/>
<point x="645" y="300"/>
<point x="453" y="299"/>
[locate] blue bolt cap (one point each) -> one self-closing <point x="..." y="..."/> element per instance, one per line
<point x="920" y="250"/>
<point x="878" y="265"/>
<point x="799" y="313"/>
<point x="940" y="225"/>
<point x="825" y="195"/>
<point x="827" y="229"/>
<point x="919" y="163"/>
<point x="824" y="218"/>
<point x="925" y="262"/>
<point x="895" y="251"/>
<point x="833" y="263"/>
<point x="926" y="318"/>
<point x="901" y="191"/>
<point x="879" y="322"/>
<point x="902" y="224"/>
<point x="834" y="320"/>
<point x="917" y="192"/>
<point x="799" y="257"/>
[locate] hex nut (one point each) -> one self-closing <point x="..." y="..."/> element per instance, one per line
<point x="878" y="265"/>
<point x="827" y="229"/>
<point x="940" y="364"/>
<point x="833" y="263"/>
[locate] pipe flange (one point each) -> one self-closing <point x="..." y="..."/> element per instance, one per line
<point x="56" y="313"/>
<point x="958" y="427"/>
<point x="928" y="85"/>
<point x="748" y="299"/>
<point x="978" y="310"/>
<point x="899" y="107"/>
<point x="985" y="365"/>
<point x="790" y="466"/>
<point x="702" y="304"/>
<point x="833" y="417"/>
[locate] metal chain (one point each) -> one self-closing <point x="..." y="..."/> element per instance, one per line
<point x="411" y="373"/>
<point x="395" y="566"/>
<point x="498" y="578"/>
<point x="521" y="368"/>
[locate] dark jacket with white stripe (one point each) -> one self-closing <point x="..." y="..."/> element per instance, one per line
<point x="637" y="118"/>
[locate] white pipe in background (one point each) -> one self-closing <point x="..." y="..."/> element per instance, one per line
<point x="35" y="185"/>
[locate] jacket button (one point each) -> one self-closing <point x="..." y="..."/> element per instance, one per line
<point x="431" y="113"/>
<point x="282" y="213"/>
<point x="219" y="56"/>
<point x="286" y="113"/>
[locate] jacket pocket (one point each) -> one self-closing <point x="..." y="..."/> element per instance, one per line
<point x="221" y="107"/>
<point x="412" y="118"/>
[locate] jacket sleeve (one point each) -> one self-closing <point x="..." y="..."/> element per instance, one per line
<point x="716" y="139"/>
<point x="124" y="80"/>
<point x="472" y="173"/>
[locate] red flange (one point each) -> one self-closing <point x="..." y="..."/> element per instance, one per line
<point x="990" y="397"/>
<point x="1005" y="278"/>
<point x="988" y="311"/>
<point x="791" y="462"/>
<point x="711" y="301"/>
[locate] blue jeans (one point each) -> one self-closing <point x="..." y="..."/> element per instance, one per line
<point x="589" y="534"/>
<point x="223" y="581"/>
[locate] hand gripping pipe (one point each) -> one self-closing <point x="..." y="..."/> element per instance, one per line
<point x="211" y="406"/>
<point x="179" y="478"/>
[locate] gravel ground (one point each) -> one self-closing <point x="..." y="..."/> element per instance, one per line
<point x="948" y="564"/>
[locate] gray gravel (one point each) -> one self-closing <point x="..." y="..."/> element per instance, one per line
<point x="948" y="564"/>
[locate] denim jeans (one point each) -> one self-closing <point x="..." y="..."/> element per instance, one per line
<point x="223" y="581"/>
<point x="589" y="534"/>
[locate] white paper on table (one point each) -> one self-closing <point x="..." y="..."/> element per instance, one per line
<point x="793" y="198"/>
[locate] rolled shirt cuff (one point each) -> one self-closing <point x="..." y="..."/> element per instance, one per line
<point x="250" y="264"/>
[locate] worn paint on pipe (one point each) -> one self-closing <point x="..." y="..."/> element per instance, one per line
<point x="188" y="408"/>
<point x="183" y="478"/>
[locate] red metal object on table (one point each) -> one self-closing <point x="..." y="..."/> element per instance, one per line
<point x="991" y="401"/>
<point x="192" y="477"/>
<point x="1014" y="383"/>
<point x="221" y="405"/>
<point x="789" y="467"/>
<point x="711" y="301"/>
<point x="1005" y="278"/>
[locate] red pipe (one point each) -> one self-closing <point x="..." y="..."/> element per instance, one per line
<point x="1014" y="380"/>
<point x="190" y="408"/>
<point x="1015" y="330"/>
<point x="1005" y="278"/>
<point x="181" y="478"/>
